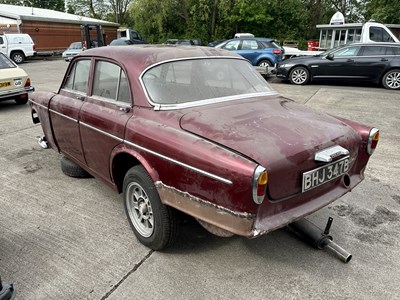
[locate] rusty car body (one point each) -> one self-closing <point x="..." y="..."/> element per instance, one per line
<point x="196" y="129"/>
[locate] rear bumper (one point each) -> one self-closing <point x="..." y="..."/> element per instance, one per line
<point x="270" y="215"/>
<point x="15" y="93"/>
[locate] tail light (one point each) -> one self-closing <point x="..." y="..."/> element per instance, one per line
<point x="34" y="47"/>
<point x="28" y="83"/>
<point x="260" y="181"/>
<point x="372" y="140"/>
<point x="277" y="51"/>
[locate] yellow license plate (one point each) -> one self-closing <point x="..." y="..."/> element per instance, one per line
<point x="4" y="84"/>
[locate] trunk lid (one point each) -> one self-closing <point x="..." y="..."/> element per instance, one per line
<point x="279" y="134"/>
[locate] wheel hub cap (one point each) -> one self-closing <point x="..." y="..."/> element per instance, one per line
<point x="393" y="80"/>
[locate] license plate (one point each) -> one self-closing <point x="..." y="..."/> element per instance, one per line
<point x="319" y="176"/>
<point x="4" y="84"/>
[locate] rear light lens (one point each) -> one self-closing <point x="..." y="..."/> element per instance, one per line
<point x="260" y="181"/>
<point x="28" y="83"/>
<point x="372" y="140"/>
<point x="34" y="47"/>
<point x="277" y="51"/>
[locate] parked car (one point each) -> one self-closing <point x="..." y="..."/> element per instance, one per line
<point x="260" y="52"/>
<point x="14" y="82"/>
<point x="171" y="41"/>
<point x="17" y="46"/>
<point x="215" y="43"/>
<point x="121" y="42"/>
<point x="198" y="130"/>
<point x="368" y="62"/>
<point x="73" y="50"/>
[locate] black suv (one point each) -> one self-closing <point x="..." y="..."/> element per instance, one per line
<point x="372" y="62"/>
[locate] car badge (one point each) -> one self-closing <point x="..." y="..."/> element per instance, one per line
<point x="330" y="153"/>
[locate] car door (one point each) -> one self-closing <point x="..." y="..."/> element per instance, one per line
<point x="64" y="109"/>
<point x="250" y="49"/>
<point x="373" y="61"/>
<point x="339" y="64"/>
<point x="103" y="116"/>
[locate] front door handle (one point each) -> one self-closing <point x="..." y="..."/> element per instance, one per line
<point x="350" y="60"/>
<point x="125" y="109"/>
<point x="384" y="59"/>
<point x="80" y="98"/>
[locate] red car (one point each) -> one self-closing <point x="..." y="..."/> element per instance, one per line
<point x="200" y="131"/>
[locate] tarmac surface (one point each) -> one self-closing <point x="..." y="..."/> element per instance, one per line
<point x="66" y="238"/>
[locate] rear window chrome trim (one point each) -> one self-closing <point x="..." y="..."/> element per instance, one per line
<point x="212" y="101"/>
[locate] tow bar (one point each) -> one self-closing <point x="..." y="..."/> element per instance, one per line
<point x="313" y="235"/>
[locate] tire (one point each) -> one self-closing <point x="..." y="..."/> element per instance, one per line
<point x="18" y="57"/>
<point x="264" y="63"/>
<point x="21" y="100"/>
<point x="299" y="76"/>
<point x="391" y="80"/>
<point x="71" y="169"/>
<point x="153" y="223"/>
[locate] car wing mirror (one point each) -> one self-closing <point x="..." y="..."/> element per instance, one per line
<point x="330" y="56"/>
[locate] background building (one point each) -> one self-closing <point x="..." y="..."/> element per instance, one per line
<point x="52" y="31"/>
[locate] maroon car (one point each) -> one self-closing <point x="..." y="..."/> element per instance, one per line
<point x="200" y="131"/>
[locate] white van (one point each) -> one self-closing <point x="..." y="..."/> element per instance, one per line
<point x="17" y="46"/>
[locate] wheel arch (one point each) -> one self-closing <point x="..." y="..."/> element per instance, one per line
<point x="260" y="59"/>
<point x="388" y="70"/>
<point x="122" y="160"/>
<point x="304" y="66"/>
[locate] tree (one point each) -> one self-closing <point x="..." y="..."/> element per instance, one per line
<point x="384" y="11"/>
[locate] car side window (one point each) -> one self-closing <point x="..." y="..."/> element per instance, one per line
<point x="348" y="51"/>
<point x="378" y="34"/>
<point x="78" y="78"/>
<point x="396" y="50"/>
<point x="249" y="45"/>
<point x="374" y="51"/>
<point x="232" y="45"/>
<point x="1" y="40"/>
<point x="110" y="82"/>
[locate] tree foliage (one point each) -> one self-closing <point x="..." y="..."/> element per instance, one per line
<point x="220" y="19"/>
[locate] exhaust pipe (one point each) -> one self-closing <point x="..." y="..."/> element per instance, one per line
<point x="320" y="239"/>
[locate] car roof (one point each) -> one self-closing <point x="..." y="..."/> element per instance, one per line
<point x="375" y="44"/>
<point x="260" y="39"/>
<point x="143" y="56"/>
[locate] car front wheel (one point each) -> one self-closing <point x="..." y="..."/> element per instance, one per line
<point x="299" y="75"/>
<point x="391" y="80"/>
<point x="154" y="224"/>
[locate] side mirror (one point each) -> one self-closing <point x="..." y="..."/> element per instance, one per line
<point x="330" y="56"/>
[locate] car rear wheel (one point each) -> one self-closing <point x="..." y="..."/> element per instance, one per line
<point x="299" y="75"/>
<point x="18" y="57"/>
<point x="264" y="63"/>
<point x="71" y="169"/>
<point x="23" y="99"/>
<point x="153" y="223"/>
<point x="391" y="80"/>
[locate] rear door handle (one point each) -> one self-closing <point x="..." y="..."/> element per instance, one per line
<point x="384" y="59"/>
<point x="350" y="60"/>
<point x="80" y="98"/>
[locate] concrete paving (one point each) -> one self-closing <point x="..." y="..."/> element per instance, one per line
<point x="65" y="238"/>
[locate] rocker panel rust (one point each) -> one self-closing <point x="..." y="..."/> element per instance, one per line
<point x="236" y="222"/>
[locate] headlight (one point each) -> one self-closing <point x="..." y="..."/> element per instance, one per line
<point x="260" y="180"/>
<point x="286" y="65"/>
<point x="372" y="140"/>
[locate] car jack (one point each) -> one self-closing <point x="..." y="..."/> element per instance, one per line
<point x="313" y="235"/>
